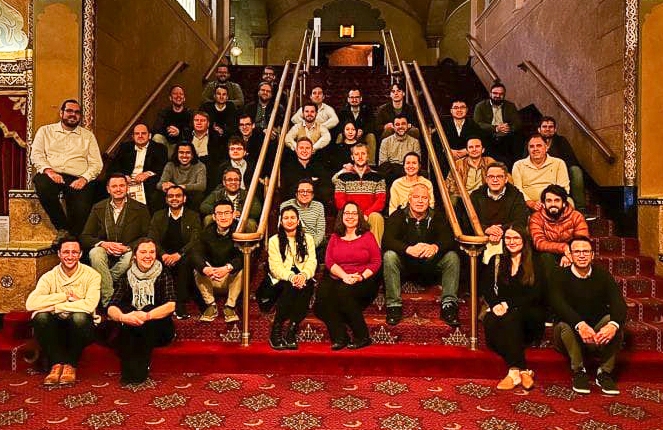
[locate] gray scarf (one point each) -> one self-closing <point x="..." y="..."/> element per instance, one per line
<point x="142" y="284"/>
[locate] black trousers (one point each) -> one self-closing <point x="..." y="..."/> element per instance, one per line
<point x="339" y="305"/>
<point x="185" y="285"/>
<point x="63" y="339"/>
<point x="135" y="346"/>
<point x="511" y="333"/>
<point x="78" y="202"/>
<point x="292" y="304"/>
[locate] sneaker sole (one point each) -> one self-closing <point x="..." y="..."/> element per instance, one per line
<point x="581" y="390"/>
<point x="607" y="391"/>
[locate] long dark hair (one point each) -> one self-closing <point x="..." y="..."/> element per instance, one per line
<point x="362" y="225"/>
<point x="300" y="238"/>
<point x="194" y="155"/>
<point x="526" y="260"/>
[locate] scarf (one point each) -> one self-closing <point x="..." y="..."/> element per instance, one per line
<point x="114" y="229"/>
<point x="142" y="284"/>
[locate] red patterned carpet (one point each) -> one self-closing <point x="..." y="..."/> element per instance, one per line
<point x="192" y="401"/>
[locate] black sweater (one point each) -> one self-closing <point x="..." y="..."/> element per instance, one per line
<point x="216" y="249"/>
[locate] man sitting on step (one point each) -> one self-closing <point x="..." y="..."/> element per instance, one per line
<point x="66" y="158"/>
<point x="393" y="149"/>
<point x="114" y="226"/>
<point x="218" y="263"/>
<point x="592" y="313"/>
<point x="418" y="240"/>
<point x="310" y="128"/>
<point x="63" y="304"/>
<point x="229" y="190"/>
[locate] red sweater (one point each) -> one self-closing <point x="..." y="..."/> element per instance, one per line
<point x="369" y="191"/>
<point x="354" y="256"/>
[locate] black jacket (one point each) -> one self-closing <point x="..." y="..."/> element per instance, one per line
<point x="364" y="121"/>
<point x="459" y="141"/>
<point x="510" y="209"/>
<point x="125" y="159"/>
<point x="190" y="229"/>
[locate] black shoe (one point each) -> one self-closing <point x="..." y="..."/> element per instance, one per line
<point x="181" y="313"/>
<point x="580" y="381"/>
<point x="394" y="315"/>
<point x="339" y="344"/>
<point x="607" y="383"/>
<point x="290" y="338"/>
<point x="276" y="337"/>
<point x="360" y="343"/>
<point x="449" y="313"/>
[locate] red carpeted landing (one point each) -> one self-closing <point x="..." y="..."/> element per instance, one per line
<point x="193" y="401"/>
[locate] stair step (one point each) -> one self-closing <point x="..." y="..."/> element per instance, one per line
<point x="28" y="221"/>
<point x="601" y="227"/>
<point x="616" y="246"/>
<point x="641" y="286"/>
<point x="627" y="265"/>
<point x="648" y="309"/>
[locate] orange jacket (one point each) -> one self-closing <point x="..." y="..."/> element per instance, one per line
<point x="550" y="235"/>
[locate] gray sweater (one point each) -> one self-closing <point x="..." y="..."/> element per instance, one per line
<point x="193" y="176"/>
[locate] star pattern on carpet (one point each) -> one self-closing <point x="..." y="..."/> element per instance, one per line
<point x="4" y="396"/>
<point x="233" y="335"/>
<point x="19" y="416"/>
<point x="627" y="411"/>
<point x="203" y="420"/>
<point x="259" y="402"/>
<point x="148" y="384"/>
<point x="399" y="422"/>
<point x="105" y="419"/>
<point x="494" y="423"/>
<point x="77" y="400"/>
<point x="417" y="320"/>
<point x="440" y="405"/>
<point x="474" y="390"/>
<point x="384" y="336"/>
<point x="411" y="287"/>
<point x="350" y="403"/>
<point x="309" y="334"/>
<point x="379" y="301"/>
<point x="301" y="421"/>
<point x="223" y="385"/>
<point x="390" y="387"/>
<point x="560" y="392"/>
<point x="456" y="338"/>
<point x="169" y="401"/>
<point x="597" y="425"/>
<point x="307" y="386"/>
<point x="639" y="392"/>
<point x="539" y="410"/>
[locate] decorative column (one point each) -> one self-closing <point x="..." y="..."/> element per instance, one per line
<point x="433" y="45"/>
<point x="259" y="48"/>
<point x="89" y="51"/>
<point x="630" y="92"/>
<point x="29" y="104"/>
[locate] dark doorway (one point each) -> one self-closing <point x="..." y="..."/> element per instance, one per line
<point x="351" y="54"/>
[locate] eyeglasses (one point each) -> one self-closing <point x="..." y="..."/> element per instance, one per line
<point x="581" y="251"/>
<point x="351" y="213"/>
<point x="231" y="180"/>
<point x="74" y="111"/>
<point x="459" y="107"/>
<point x="305" y="192"/>
<point x="224" y="213"/>
<point x="245" y="125"/>
<point x="493" y="177"/>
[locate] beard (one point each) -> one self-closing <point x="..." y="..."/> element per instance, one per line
<point x="497" y="102"/>
<point x="557" y="214"/>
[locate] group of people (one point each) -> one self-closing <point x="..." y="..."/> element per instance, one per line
<point x="167" y="226"/>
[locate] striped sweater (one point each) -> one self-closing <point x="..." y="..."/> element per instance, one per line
<point x="369" y="191"/>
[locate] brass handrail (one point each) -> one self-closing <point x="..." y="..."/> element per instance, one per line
<point x="177" y="67"/>
<point x="471" y="244"/>
<point x="398" y="59"/>
<point x="528" y="66"/>
<point x="474" y="46"/>
<point x="387" y="56"/>
<point x="219" y="57"/>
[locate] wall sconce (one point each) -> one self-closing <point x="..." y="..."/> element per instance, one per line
<point x="235" y="51"/>
<point x="346" y="31"/>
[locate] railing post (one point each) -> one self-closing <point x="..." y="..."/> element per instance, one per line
<point x="246" y="248"/>
<point x="474" y="251"/>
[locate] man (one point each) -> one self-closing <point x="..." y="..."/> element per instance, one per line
<point x="325" y="115"/>
<point x="235" y="94"/>
<point x="66" y="158"/>
<point x="253" y="139"/>
<point x="559" y="147"/>
<point x="218" y="264"/>
<point x="141" y="162"/>
<point x="229" y="190"/>
<point x="393" y="149"/>
<point x="316" y="132"/>
<point x="498" y="203"/>
<point x="500" y="120"/>
<point x="459" y="128"/>
<point x="472" y="168"/>
<point x="365" y="187"/>
<point x="311" y="213"/>
<point x="419" y="241"/>
<point x="63" y="304"/>
<point x="534" y="173"/>
<point x="173" y="122"/>
<point x="175" y="231"/>
<point x="114" y="226"/>
<point x="592" y="314"/>
<point x="361" y="115"/>
<point x="387" y="112"/>
<point x="237" y="159"/>
<point x="269" y="75"/>
<point x="554" y="225"/>
<point x="260" y="111"/>
<point x="210" y="147"/>
<point x="304" y="164"/>
<point x="222" y="113"/>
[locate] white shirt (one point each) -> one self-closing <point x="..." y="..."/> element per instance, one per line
<point x="200" y="143"/>
<point x="139" y="165"/>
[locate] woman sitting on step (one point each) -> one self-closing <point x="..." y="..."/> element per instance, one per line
<point x="353" y="259"/>
<point x="292" y="265"/>
<point x="143" y="302"/>
<point x="513" y="287"/>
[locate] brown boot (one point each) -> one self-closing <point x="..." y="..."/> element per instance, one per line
<point x="68" y="375"/>
<point x="53" y="378"/>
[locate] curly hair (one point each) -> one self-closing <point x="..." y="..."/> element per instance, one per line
<point x="362" y="224"/>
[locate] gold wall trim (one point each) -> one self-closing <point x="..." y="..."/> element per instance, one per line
<point x="12" y="135"/>
<point x="630" y="94"/>
<point x="89" y="50"/>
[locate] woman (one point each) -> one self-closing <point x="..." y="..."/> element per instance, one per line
<point x="340" y="153"/>
<point x="143" y="302"/>
<point x="292" y="265"/>
<point x="513" y="287"/>
<point x="353" y="259"/>
<point x="400" y="189"/>
<point x="188" y="172"/>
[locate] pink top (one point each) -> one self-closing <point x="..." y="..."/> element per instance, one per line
<point x="354" y="256"/>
